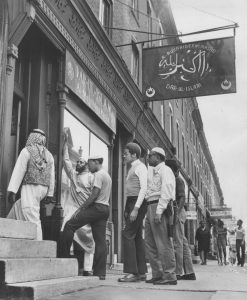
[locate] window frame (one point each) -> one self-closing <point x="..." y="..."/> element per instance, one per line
<point x="135" y="57"/>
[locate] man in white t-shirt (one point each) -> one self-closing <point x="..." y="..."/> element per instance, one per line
<point x="95" y="211"/>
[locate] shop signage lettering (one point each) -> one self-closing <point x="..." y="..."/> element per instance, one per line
<point x="79" y="82"/>
<point x="189" y="70"/>
<point x="68" y="21"/>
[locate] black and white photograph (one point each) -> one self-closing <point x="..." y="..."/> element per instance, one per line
<point x="123" y="141"/>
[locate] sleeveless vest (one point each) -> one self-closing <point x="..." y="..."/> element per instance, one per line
<point x="132" y="183"/>
<point x="36" y="176"/>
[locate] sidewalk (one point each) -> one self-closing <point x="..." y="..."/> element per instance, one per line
<point x="213" y="282"/>
<point x="209" y="278"/>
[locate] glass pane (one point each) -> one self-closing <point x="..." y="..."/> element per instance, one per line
<point x="99" y="147"/>
<point x="79" y="134"/>
<point x="78" y="145"/>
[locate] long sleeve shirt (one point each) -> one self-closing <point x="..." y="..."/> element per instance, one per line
<point x="136" y="182"/>
<point x="20" y="170"/>
<point x="81" y="184"/>
<point x="161" y="186"/>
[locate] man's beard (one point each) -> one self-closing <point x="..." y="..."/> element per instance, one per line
<point x="80" y="169"/>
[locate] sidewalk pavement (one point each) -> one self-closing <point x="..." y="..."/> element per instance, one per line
<point x="215" y="282"/>
<point x="210" y="277"/>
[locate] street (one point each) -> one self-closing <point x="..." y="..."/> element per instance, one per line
<point x="213" y="282"/>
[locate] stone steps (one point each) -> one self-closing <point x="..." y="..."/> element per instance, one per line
<point x="17" y="229"/>
<point x="44" y="289"/>
<point x="29" y="268"/>
<point x="21" y="248"/>
<point x="32" y="269"/>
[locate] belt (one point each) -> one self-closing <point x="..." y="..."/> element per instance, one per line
<point x="152" y="202"/>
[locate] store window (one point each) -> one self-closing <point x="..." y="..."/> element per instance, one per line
<point x="81" y="142"/>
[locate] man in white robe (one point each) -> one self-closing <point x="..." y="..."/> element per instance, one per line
<point x="81" y="185"/>
<point x="34" y="172"/>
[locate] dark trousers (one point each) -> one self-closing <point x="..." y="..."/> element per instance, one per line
<point x="133" y="243"/>
<point x="242" y="247"/>
<point x="96" y="215"/>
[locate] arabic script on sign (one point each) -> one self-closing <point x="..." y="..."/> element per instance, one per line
<point x="185" y="66"/>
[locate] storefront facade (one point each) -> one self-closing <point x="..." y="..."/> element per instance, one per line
<point x="64" y="73"/>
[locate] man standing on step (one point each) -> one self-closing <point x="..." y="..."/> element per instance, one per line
<point x="182" y="250"/>
<point x="135" y="210"/>
<point x="158" y="237"/>
<point x="95" y="211"/>
<point x="81" y="185"/>
<point x="34" y="172"/>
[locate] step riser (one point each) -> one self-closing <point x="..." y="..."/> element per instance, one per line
<point x="16" y="248"/>
<point x="17" y="229"/>
<point x="21" y="270"/>
<point x="49" y="290"/>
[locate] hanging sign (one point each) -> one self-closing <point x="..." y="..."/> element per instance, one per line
<point x="189" y="70"/>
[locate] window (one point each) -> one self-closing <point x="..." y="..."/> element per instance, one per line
<point x="183" y="149"/>
<point x="149" y="23"/>
<point x="191" y="168"/>
<point x="134" y="6"/>
<point x="178" y="140"/>
<point x="162" y="115"/>
<point x="160" y="43"/>
<point x="200" y="154"/>
<point x="198" y="178"/>
<point x="188" y="160"/>
<point x="105" y="14"/>
<point x="182" y="108"/>
<point x="190" y="129"/>
<point x="171" y="123"/>
<point x="186" y="120"/>
<point x="195" y="174"/>
<point x="135" y="63"/>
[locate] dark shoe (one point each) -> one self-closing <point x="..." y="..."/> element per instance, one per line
<point x="166" y="282"/>
<point x="152" y="280"/>
<point x="179" y="277"/>
<point x="143" y="277"/>
<point x="101" y="277"/>
<point x="87" y="273"/>
<point x="191" y="276"/>
<point x="130" y="278"/>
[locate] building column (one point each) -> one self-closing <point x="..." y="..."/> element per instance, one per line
<point x="57" y="213"/>
<point x="7" y="102"/>
<point x="110" y="224"/>
<point x="3" y="100"/>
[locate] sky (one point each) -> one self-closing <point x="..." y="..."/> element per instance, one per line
<point x="224" y="116"/>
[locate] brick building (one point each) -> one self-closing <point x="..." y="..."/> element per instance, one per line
<point x="61" y="67"/>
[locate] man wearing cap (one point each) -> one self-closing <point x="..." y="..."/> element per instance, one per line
<point x="135" y="210"/>
<point x="34" y="172"/>
<point x="159" y="246"/>
<point x="81" y="185"/>
<point x="182" y="250"/>
<point x="94" y="211"/>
